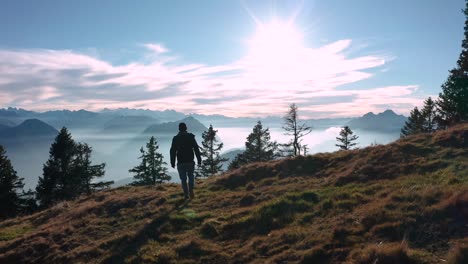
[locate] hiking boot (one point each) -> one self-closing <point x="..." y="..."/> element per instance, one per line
<point x="192" y="195"/>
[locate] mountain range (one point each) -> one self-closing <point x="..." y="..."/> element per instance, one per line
<point x="117" y="135"/>
<point x="386" y="121"/>
<point x="27" y="146"/>
<point x="122" y="119"/>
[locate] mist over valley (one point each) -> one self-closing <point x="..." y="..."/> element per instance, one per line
<point x="116" y="136"/>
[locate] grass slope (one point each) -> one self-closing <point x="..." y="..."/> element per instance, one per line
<point x="406" y="202"/>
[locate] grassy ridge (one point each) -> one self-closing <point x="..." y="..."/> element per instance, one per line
<point x="406" y="202"/>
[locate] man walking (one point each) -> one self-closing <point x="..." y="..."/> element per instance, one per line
<point x="183" y="147"/>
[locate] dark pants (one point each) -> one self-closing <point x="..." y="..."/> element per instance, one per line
<point x="186" y="171"/>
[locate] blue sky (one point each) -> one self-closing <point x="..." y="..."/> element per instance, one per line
<point x="197" y="56"/>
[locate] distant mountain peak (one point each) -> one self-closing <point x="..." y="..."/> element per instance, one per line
<point x="388" y="112"/>
<point x="193" y="126"/>
<point x="36" y="125"/>
<point x="30" y="127"/>
<point x="191" y="118"/>
<point x="387" y="121"/>
<point x="369" y="114"/>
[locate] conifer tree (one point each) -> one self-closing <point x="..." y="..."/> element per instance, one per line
<point x="453" y="100"/>
<point x="151" y="170"/>
<point x="68" y="172"/>
<point x="258" y="147"/>
<point x="57" y="177"/>
<point x="429" y="115"/>
<point x="346" y="139"/>
<point x="10" y="184"/>
<point x="28" y="202"/>
<point x="88" y="172"/>
<point x="414" y="124"/>
<point x="295" y="129"/>
<point x="212" y="163"/>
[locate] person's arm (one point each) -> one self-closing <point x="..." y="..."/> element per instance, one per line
<point x="173" y="152"/>
<point x="197" y="150"/>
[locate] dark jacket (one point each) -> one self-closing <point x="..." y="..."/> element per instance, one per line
<point x="183" y="146"/>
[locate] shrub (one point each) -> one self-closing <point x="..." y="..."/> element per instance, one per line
<point x="247" y="200"/>
<point x="208" y="230"/>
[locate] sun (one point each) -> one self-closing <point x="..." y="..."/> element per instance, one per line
<point x="275" y="43"/>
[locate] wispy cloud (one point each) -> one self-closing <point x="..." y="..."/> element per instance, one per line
<point x="53" y="79"/>
<point x="158" y="48"/>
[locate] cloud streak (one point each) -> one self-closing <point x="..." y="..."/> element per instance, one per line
<point x="55" y="79"/>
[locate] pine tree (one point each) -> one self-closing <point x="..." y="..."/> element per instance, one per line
<point x="429" y="115"/>
<point x="151" y="170"/>
<point x="346" y="139"/>
<point x="453" y="101"/>
<point x="238" y="161"/>
<point x="87" y="172"/>
<point x="414" y="124"/>
<point x="28" y="202"/>
<point x="68" y="172"/>
<point x="258" y="147"/>
<point x="212" y="163"/>
<point x="295" y="129"/>
<point x="57" y="178"/>
<point x="10" y="184"/>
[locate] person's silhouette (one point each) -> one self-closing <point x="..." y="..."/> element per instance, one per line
<point x="183" y="147"/>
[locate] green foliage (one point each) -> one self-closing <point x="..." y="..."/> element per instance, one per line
<point x="15" y="231"/>
<point x="346" y="139"/>
<point x="296" y="130"/>
<point x="10" y="184"/>
<point x="453" y="100"/>
<point x="414" y="124"/>
<point x="151" y="170"/>
<point x="421" y="121"/>
<point x="258" y="147"/>
<point x="82" y="166"/>
<point x="57" y="170"/>
<point x="429" y="115"/>
<point x="68" y="172"/>
<point x="212" y="163"/>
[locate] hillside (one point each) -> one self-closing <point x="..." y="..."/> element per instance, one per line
<point x="27" y="146"/>
<point x="406" y="202"/>
<point x="29" y="128"/>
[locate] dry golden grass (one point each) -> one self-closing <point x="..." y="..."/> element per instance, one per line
<point x="406" y="202"/>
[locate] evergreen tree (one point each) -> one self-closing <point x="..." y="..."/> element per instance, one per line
<point x="258" y="147"/>
<point x="87" y="172"/>
<point x="346" y="139"/>
<point x="238" y="161"/>
<point x="453" y="101"/>
<point x="28" y="202"/>
<point x="10" y="184"/>
<point x="295" y="129"/>
<point x="429" y="115"/>
<point x="212" y="162"/>
<point x="57" y="178"/>
<point x="152" y="168"/>
<point x="68" y="173"/>
<point x="414" y="124"/>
